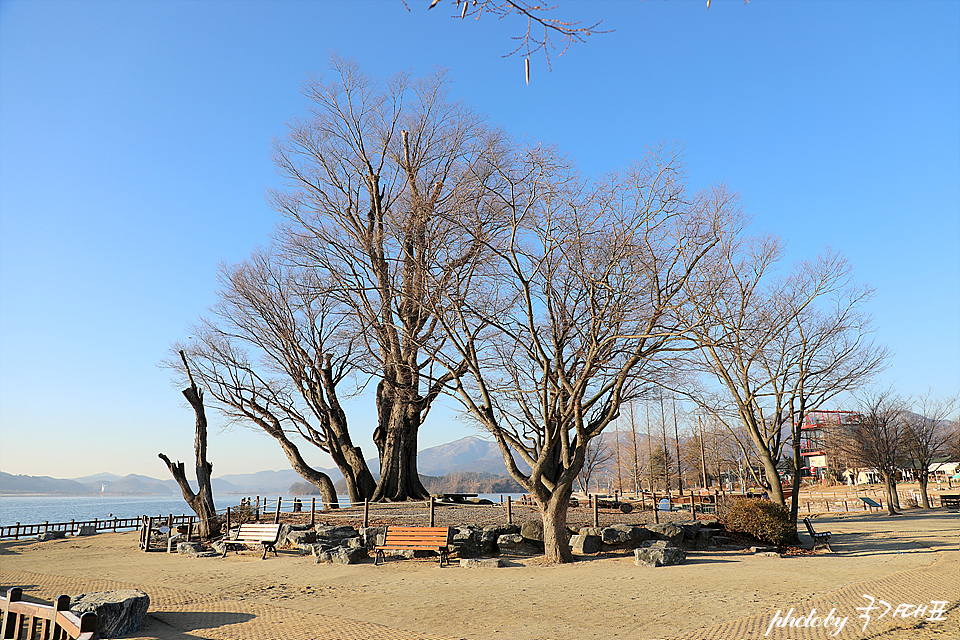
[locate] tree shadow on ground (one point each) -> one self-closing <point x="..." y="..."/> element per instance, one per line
<point x="870" y="544"/>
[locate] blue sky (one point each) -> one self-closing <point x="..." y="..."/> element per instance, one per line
<point x="135" y="155"/>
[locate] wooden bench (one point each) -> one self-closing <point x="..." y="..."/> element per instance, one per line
<point x="42" y="621"/>
<point x="414" y="539"/>
<point x="263" y="534"/>
<point x="950" y="501"/>
<point x="819" y="539"/>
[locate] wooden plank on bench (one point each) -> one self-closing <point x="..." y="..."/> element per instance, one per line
<point x="266" y="535"/>
<point x="414" y="539"/>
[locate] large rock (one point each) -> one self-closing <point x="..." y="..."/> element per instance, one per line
<point x="659" y="554"/>
<point x="196" y="550"/>
<point x="118" y="612"/>
<point x="341" y="555"/>
<point x="51" y="535"/>
<point x="532" y="532"/>
<point x="670" y="532"/>
<point x="372" y="536"/>
<point x="335" y="532"/>
<point x="509" y="541"/>
<point x="485" y="563"/>
<point x="624" y="535"/>
<point x="583" y="545"/>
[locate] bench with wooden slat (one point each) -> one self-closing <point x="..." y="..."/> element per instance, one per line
<point x="263" y="534"/>
<point x="950" y="501"/>
<point x="414" y="539"/>
<point x="44" y="622"/>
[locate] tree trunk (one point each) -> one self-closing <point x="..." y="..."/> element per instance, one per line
<point x="396" y="440"/>
<point x="891" y="491"/>
<point x="553" y="512"/>
<point x="202" y="501"/>
<point x="923" y="490"/>
<point x="399" y="479"/>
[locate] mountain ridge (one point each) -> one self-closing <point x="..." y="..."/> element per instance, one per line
<point x="468" y="455"/>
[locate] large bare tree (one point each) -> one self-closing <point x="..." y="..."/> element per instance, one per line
<point x="375" y="176"/>
<point x="572" y="308"/>
<point x="273" y="353"/>
<point x="773" y="349"/>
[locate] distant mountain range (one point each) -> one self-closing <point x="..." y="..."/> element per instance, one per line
<point x="474" y="462"/>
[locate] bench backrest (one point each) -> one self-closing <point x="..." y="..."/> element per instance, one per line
<point x="42" y="621"/>
<point x="258" y="533"/>
<point x="810" y="530"/>
<point x="416" y="537"/>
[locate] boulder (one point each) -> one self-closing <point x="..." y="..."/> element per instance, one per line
<point x="484" y="563"/>
<point x="670" y="532"/>
<point x="335" y="532"/>
<point x="583" y="545"/>
<point x="87" y="530"/>
<point x="372" y="536"/>
<point x="659" y="554"/>
<point x="297" y="538"/>
<point x="341" y="555"/>
<point x="690" y="530"/>
<point x="590" y="531"/>
<point x="532" y="532"/>
<point x="51" y="535"/>
<point x="197" y="550"/>
<point x="509" y="541"/>
<point x="118" y="612"/>
<point x="624" y="535"/>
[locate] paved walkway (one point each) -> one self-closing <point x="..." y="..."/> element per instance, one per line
<point x="939" y="582"/>
<point x="179" y="615"/>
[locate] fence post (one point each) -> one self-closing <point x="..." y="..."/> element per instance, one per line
<point x="596" y="512"/>
<point x="16" y="531"/>
<point x="276" y="517"/>
<point x="509" y="511"/>
<point x="114" y="522"/>
<point x="656" y="508"/>
<point x="366" y="512"/>
<point x="146" y="546"/>
<point x="313" y="512"/>
<point x="71" y="525"/>
<point x="256" y="513"/>
<point x="227" y="532"/>
<point x="432" y="508"/>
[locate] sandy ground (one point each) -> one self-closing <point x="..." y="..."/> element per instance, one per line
<point x="716" y="594"/>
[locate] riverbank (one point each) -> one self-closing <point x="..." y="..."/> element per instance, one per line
<point x="910" y="559"/>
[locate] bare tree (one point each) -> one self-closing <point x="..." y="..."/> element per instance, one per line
<point x="777" y="347"/>
<point x="569" y="315"/>
<point x="273" y="355"/>
<point x="538" y="18"/>
<point x="878" y="439"/>
<point x="929" y="436"/>
<point x="597" y="458"/>
<point x="200" y="501"/>
<point x="376" y="175"/>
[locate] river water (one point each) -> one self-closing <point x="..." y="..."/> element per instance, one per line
<point x="40" y="509"/>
